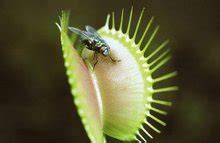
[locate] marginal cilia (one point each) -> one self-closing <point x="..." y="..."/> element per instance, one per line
<point x="148" y="66"/>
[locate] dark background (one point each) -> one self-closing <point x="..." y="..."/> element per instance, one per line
<point x="35" y="100"/>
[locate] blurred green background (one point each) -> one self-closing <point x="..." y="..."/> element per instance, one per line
<point x="35" y="100"/>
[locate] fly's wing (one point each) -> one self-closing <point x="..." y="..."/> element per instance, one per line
<point x="93" y="31"/>
<point x="83" y="34"/>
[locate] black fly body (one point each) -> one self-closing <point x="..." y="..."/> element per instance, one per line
<point x="93" y="41"/>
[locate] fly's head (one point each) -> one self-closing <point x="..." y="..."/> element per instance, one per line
<point x="105" y="50"/>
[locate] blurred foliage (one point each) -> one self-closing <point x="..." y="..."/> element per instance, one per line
<point x="35" y="103"/>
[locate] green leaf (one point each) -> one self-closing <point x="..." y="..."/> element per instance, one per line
<point x="82" y="87"/>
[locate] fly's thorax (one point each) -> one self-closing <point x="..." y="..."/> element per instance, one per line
<point x="98" y="43"/>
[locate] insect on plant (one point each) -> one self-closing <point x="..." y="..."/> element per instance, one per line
<point x="125" y="105"/>
<point x="93" y="41"/>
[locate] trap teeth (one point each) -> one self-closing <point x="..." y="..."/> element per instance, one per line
<point x="148" y="64"/>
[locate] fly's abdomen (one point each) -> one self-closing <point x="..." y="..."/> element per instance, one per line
<point x="88" y="45"/>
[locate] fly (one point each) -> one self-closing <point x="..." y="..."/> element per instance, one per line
<point x="93" y="41"/>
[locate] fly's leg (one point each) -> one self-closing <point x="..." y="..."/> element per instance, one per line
<point x="114" y="59"/>
<point x="84" y="58"/>
<point x="95" y="65"/>
<point x="95" y="57"/>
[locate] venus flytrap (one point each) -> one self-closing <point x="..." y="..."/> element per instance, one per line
<point x="116" y="99"/>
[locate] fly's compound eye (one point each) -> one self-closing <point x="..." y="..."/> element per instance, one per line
<point x="106" y="52"/>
